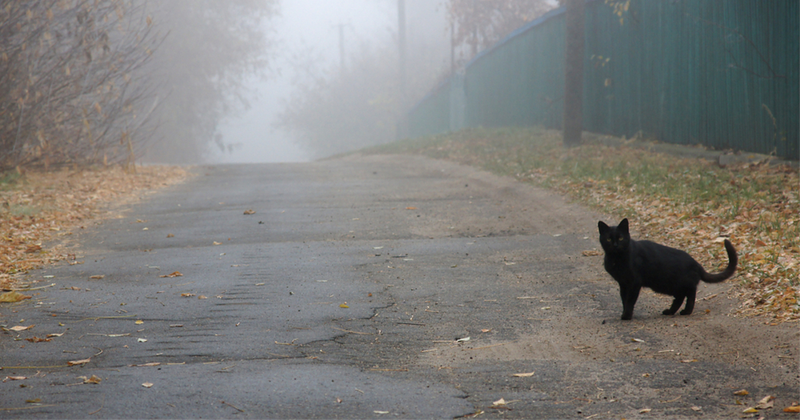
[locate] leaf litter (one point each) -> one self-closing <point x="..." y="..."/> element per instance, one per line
<point x="44" y="207"/>
<point x="687" y="203"/>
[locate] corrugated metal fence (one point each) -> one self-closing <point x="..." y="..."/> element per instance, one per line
<point x="724" y="74"/>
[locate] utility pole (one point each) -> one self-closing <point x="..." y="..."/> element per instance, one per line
<point x="452" y="47"/>
<point x="573" y="73"/>
<point x="341" y="47"/>
<point x="401" y="41"/>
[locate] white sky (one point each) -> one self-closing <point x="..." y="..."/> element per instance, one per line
<point x="313" y="23"/>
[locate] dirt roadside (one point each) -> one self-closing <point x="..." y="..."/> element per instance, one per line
<point x="540" y="306"/>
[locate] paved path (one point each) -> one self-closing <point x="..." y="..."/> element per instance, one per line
<point x="368" y="287"/>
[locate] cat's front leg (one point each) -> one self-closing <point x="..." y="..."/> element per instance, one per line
<point x="629" y="295"/>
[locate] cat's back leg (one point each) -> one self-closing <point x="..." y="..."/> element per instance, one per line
<point x="690" y="297"/>
<point x="676" y="304"/>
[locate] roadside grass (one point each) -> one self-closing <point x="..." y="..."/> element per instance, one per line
<point x="688" y="203"/>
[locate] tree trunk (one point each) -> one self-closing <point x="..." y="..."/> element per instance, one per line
<point x="573" y="74"/>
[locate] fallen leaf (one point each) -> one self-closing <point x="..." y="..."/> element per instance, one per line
<point x="79" y="362"/>
<point x="33" y="401"/>
<point x="461" y="340"/>
<point x="591" y="253"/>
<point x="637" y="340"/>
<point x="523" y="375"/>
<point x="344" y="305"/>
<point x="380" y="412"/>
<point x="147" y="384"/>
<point x="688" y="360"/>
<point x="92" y="380"/>
<point x="173" y="274"/>
<point x="139" y="322"/>
<point x="32" y="248"/>
<point x="19" y="328"/>
<point x="696" y="408"/>
<point x="12" y="297"/>
<point x="147" y="364"/>
<point x="499" y="402"/>
<point x="169" y="235"/>
<point x="141" y="340"/>
<point x="765" y="403"/>
<point x="54" y="335"/>
<point x="217" y="243"/>
<point x="792" y="409"/>
<point x="741" y="392"/>
<point x="486" y="330"/>
<point x="202" y="297"/>
<point x="249" y="211"/>
<point x="411" y="208"/>
<point x="750" y="410"/>
<point x="35" y="339"/>
<point x="15" y="378"/>
<point x="644" y="411"/>
<point x="97" y="276"/>
<point x="187" y="294"/>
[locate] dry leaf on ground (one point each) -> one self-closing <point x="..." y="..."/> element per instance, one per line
<point x="523" y="375"/>
<point x="90" y="380"/>
<point x="172" y="274"/>
<point x="19" y="328"/>
<point x="11" y="297"/>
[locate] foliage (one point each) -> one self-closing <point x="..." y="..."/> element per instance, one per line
<point x="65" y="77"/>
<point x="687" y="203"/>
<point x="479" y="24"/>
<point x="86" y="81"/>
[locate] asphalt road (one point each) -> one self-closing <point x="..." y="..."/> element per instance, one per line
<point x="368" y="287"/>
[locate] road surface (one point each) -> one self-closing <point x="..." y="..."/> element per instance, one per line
<point x="370" y="287"/>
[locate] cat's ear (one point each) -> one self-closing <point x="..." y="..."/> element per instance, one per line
<point x="623" y="225"/>
<point x="602" y="227"/>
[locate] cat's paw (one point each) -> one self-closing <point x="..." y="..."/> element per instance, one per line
<point x="669" y="312"/>
<point x="626" y="317"/>
<point x="686" y="312"/>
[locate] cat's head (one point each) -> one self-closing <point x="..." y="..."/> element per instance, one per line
<point x="614" y="239"/>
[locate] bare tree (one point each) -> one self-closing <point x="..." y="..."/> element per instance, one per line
<point x="479" y="24"/>
<point x="65" y="77"/>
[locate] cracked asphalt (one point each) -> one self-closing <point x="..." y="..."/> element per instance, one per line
<point x="369" y="287"/>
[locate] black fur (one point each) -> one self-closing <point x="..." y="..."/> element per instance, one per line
<point x="665" y="270"/>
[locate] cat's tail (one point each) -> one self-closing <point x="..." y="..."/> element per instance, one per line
<point x="729" y="270"/>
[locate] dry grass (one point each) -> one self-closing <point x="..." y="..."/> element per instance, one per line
<point x="38" y="208"/>
<point x="686" y="203"/>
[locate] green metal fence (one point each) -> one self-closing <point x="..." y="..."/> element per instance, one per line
<point x="725" y="74"/>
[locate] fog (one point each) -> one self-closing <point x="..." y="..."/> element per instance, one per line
<point x="311" y="27"/>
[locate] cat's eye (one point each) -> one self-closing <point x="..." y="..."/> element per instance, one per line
<point x="608" y="239"/>
<point x="620" y="239"/>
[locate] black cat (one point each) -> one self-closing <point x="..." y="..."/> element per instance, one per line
<point x="665" y="270"/>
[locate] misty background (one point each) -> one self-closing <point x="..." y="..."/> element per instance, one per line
<point x="311" y="28"/>
<point x="226" y="81"/>
<point x="308" y="34"/>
